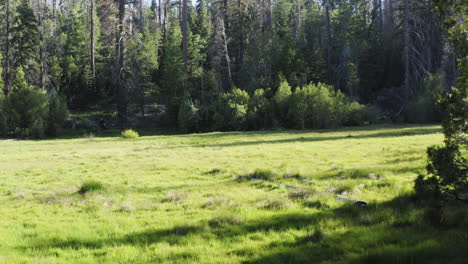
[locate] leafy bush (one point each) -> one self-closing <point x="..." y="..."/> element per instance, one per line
<point x="281" y="101"/>
<point x="320" y="106"/>
<point x="26" y="109"/>
<point x="58" y="113"/>
<point x="447" y="174"/>
<point x="357" y="115"/>
<point x="231" y="110"/>
<point x="90" y="186"/>
<point x="130" y="134"/>
<point x="258" y="115"/>
<point x="312" y="107"/>
<point x="188" y="116"/>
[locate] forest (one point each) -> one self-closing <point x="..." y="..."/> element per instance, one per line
<point x="220" y="65"/>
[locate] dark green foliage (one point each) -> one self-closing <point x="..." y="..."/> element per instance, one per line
<point x="25" y="37"/>
<point x="422" y="109"/>
<point x="26" y="109"/>
<point x="90" y="186"/>
<point x="319" y="106"/>
<point x="58" y="113"/>
<point x="281" y="101"/>
<point x="188" y="116"/>
<point x="357" y="114"/>
<point x="75" y="75"/>
<point x="231" y="110"/>
<point x="447" y="173"/>
<point x="3" y="125"/>
<point x="259" y="115"/>
<point x="447" y="169"/>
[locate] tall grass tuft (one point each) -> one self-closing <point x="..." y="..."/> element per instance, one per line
<point x="130" y="134"/>
<point x="259" y="174"/>
<point x="90" y="186"/>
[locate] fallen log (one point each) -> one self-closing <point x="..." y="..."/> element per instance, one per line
<point x="356" y="202"/>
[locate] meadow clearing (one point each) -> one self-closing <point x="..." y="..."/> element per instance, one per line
<point x="189" y="199"/>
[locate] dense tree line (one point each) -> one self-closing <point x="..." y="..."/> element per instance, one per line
<point x="225" y="64"/>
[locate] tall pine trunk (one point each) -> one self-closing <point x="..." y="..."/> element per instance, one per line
<point x="381" y="17"/>
<point x="41" y="47"/>
<point x="141" y="17"/>
<point x="241" y="31"/>
<point x="406" y="49"/>
<point x="6" y="64"/>
<point x="164" y="23"/>
<point x="122" y="92"/>
<point x="159" y="13"/>
<point x="92" y="41"/>
<point x="328" y="26"/>
<point x="225" y="13"/>
<point x="185" y="34"/>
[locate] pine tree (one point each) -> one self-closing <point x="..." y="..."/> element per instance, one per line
<point x="25" y="39"/>
<point x="447" y="169"/>
<point x="26" y="109"/>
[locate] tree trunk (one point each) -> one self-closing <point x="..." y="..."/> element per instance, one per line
<point x="6" y="64"/>
<point x="225" y="13"/>
<point x="406" y="49"/>
<point x="226" y="52"/>
<point x="159" y="13"/>
<point x="328" y="25"/>
<point x="92" y="41"/>
<point x="364" y="8"/>
<point x="165" y="20"/>
<point x="185" y="34"/>
<point x="241" y="38"/>
<point x="390" y="21"/>
<point x="140" y="16"/>
<point x="380" y="17"/>
<point x="298" y="20"/>
<point x="122" y="92"/>
<point x="41" y="47"/>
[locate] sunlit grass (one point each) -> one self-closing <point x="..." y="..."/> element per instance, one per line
<point x="178" y="199"/>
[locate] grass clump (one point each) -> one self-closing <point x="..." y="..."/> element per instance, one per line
<point x="90" y="186"/>
<point x="300" y="195"/>
<point x="217" y="201"/>
<point x="174" y="196"/>
<point x="274" y="204"/>
<point x="293" y="175"/>
<point x="127" y="208"/>
<point x="316" y="237"/>
<point x="215" y="171"/>
<point x="316" y="204"/>
<point x="226" y="219"/>
<point x="259" y="174"/>
<point x="130" y="134"/>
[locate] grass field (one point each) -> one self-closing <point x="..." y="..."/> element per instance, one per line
<point x="188" y="199"/>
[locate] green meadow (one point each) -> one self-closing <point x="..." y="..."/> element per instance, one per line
<point x="190" y="199"/>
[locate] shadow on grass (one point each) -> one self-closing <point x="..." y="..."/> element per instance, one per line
<point x="406" y="131"/>
<point x="397" y="133"/>
<point x="401" y="130"/>
<point x="391" y="232"/>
